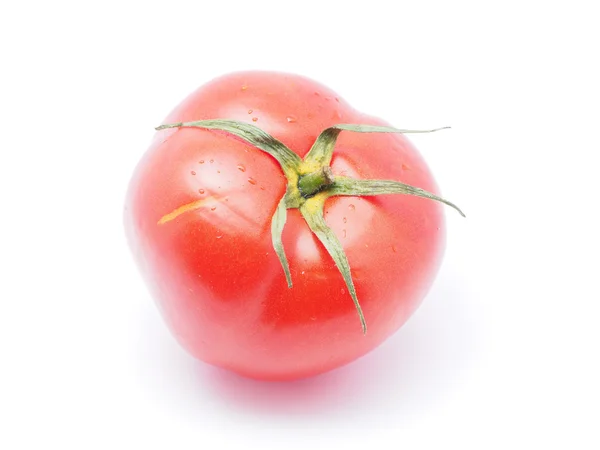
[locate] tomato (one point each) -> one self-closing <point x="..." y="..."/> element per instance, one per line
<point x="198" y="219"/>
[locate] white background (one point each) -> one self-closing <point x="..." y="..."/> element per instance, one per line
<point x="502" y="354"/>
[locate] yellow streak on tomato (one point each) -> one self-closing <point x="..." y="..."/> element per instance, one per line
<point x="186" y="208"/>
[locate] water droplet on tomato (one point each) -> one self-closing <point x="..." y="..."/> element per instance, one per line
<point x="213" y="208"/>
<point x="255" y="119"/>
<point x="291" y="119"/>
<point x="201" y="191"/>
<point x="241" y="168"/>
<point x="193" y="172"/>
<point x="201" y="161"/>
<point x="244" y="87"/>
<point x="351" y="207"/>
<point x="212" y="161"/>
<point x="251" y="180"/>
<point x="249" y="111"/>
<point x="262" y="188"/>
<point x="219" y="237"/>
<point x="337" y="99"/>
<point x="405" y="167"/>
<point x="394" y="248"/>
<point x="345" y="220"/>
<point x="343" y="291"/>
<point x="344" y="233"/>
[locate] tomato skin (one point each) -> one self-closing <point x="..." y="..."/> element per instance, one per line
<point x="213" y="271"/>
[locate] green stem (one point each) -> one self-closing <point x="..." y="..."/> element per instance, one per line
<point x="304" y="183"/>
<point x="354" y="187"/>
<point x="314" y="182"/>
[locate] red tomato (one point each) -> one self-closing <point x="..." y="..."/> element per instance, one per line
<point x="198" y="219"/>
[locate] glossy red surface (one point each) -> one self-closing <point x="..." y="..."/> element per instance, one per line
<point x="213" y="271"/>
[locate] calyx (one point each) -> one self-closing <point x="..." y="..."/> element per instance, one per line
<point x="310" y="182"/>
